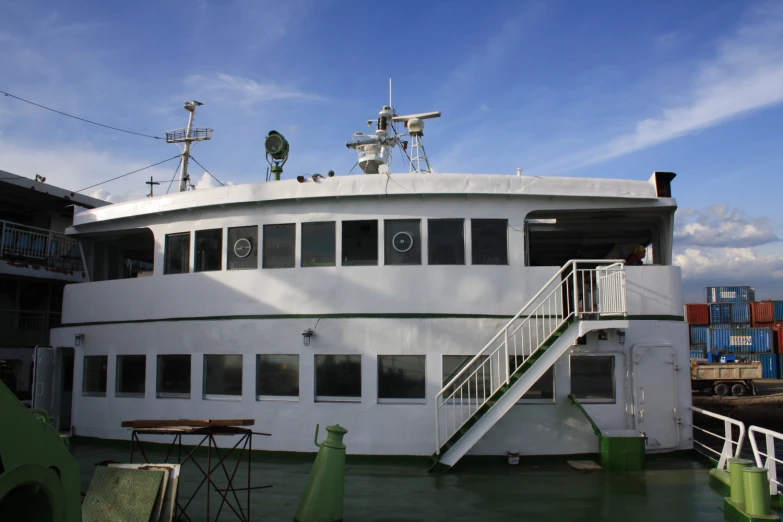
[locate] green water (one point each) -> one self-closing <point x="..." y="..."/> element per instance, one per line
<point x="670" y="490"/>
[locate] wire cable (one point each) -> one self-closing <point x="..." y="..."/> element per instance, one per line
<point x="80" y="119"/>
<point x="175" y="177"/>
<point x="205" y="170"/>
<point x="129" y="173"/>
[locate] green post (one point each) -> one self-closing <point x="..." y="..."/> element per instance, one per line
<point x="322" y="500"/>
<point x="277" y="170"/>
<point x="757" y="500"/>
<point x="736" y="468"/>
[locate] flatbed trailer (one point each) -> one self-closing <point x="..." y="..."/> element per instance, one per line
<point x="735" y="378"/>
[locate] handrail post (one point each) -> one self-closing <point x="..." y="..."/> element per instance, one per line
<point x="575" y="298"/>
<point x="2" y="240"/>
<point x="505" y="346"/>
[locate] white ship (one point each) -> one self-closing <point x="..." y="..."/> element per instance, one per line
<point x="445" y="314"/>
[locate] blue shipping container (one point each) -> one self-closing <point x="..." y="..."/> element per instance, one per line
<point x="730" y="294"/>
<point x="700" y="334"/>
<point x="779" y="310"/>
<point x="770" y="367"/>
<point x="698" y="354"/>
<point x="740" y="313"/>
<point x="720" y="313"/>
<point x="742" y="340"/>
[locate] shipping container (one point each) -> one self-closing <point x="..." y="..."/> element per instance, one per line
<point x="747" y="325"/>
<point x="720" y="313"/>
<point x="770" y="366"/>
<point x="720" y="326"/>
<point x="740" y="313"/>
<point x="763" y="312"/>
<point x="698" y="354"/>
<point x="697" y="313"/>
<point x="700" y="334"/>
<point x="742" y="340"/>
<point x="778" y="310"/>
<point x="778" y="339"/>
<point x="730" y="294"/>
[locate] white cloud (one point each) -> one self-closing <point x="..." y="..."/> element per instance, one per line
<point x="728" y="263"/>
<point x="721" y="226"/>
<point x="744" y="75"/>
<point x="246" y="91"/>
<point x="206" y="182"/>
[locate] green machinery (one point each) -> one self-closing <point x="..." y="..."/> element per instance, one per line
<point x="323" y="498"/>
<point x="39" y="479"/>
<point x="277" y="149"/>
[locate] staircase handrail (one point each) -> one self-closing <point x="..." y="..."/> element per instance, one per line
<point x="612" y="263"/>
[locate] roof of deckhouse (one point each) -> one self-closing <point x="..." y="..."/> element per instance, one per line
<point x="378" y="186"/>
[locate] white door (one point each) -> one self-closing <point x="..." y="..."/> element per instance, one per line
<point x="655" y="395"/>
<point x="43" y="378"/>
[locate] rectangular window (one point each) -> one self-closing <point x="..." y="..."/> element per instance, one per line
<point x="543" y="390"/>
<point x="592" y="377"/>
<point x="318" y="244"/>
<point x="94" y="377"/>
<point x="360" y="243"/>
<point x="446" y="241"/>
<point x="222" y="375"/>
<point x="131" y="375"/>
<point x="277" y="375"/>
<point x="477" y="376"/>
<point x="177" y="253"/>
<point x="279" y="245"/>
<point x="401" y="377"/>
<point x="338" y="378"/>
<point x="403" y="241"/>
<point x="209" y="250"/>
<point x="174" y="376"/>
<point x="242" y="248"/>
<point x="490" y="241"/>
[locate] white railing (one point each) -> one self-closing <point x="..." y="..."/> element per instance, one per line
<point x="730" y="447"/>
<point x="769" y="460"/>
<point x="573" y="292"/>
<point x="31" y="243"/>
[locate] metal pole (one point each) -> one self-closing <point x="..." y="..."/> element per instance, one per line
<point x="2" y="240"/>
<point x="183" y="176"/>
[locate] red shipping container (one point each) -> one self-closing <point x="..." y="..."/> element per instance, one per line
<point x="763" y="312"/>
<point x="777" y="338"/>
<point x="698" y="313"/>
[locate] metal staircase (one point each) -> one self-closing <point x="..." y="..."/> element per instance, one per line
<point x="583" y="295"/>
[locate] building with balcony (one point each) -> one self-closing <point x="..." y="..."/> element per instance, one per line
<point x="37" y="261"/>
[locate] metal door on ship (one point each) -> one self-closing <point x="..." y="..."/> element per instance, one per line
<point x="43" y="377"/>
<point x="655" y="395"/>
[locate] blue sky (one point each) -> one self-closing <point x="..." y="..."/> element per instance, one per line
<point x="588" y="89"/>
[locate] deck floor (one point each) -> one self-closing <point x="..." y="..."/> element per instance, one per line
<point x="671" y="489"/>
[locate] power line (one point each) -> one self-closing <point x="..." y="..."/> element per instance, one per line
<point x="205" y="170"/>
<point x="129" y="173"/>
<point x="175" y="177"/>
<point x="81" y="119"/>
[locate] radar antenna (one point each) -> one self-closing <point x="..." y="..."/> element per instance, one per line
<point x="375" y="151"/>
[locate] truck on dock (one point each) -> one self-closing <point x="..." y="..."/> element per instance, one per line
<point x="721" y="378"/>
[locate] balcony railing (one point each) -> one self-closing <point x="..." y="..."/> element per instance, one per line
<point x="26" y="327"/>
<point x="38" y="245"/>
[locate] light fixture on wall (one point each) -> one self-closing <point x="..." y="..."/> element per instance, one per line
<point x="306" y="335"/>
<point x="78" y="339"/>
<point x="602" y="335"/>
<point x="621" y="336"/>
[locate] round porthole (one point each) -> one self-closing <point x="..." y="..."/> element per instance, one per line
<point x="242" y="247"/>
<point x="402" y="241"/>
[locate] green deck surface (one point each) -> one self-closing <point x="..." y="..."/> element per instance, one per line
<point x="674" y="489"/>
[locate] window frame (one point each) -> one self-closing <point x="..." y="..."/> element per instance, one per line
<point x="430" y="236"/>
<point x="468" y="399"/>
<point x="335" y="398"/>
<point x="288" y="398"/>
<point x="158" y="377"/>
<point x="118" y="376"/>
<point x="264" y="245"/>
<point x="402" y="400"/>
<point x="377" y="243"/>
<point x="222" y="396"/>
<point x="91" y="393"/>
<point x="230" y="252"/>
<point x="613" y="358"/>
<point x="305" y="225"/>
<point x="166" y="270"/>
<point x="219" y="250"/>
<point x="474" y="237"/>
<point x="553" y="399"/>
<point x="388" y="242"/>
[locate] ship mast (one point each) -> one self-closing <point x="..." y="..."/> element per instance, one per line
<point x="187" y="136"/>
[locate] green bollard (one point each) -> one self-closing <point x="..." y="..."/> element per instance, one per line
<point x="323" y="498"/>
<point x="736" y="467"/>
<point x="757" y="500"/>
